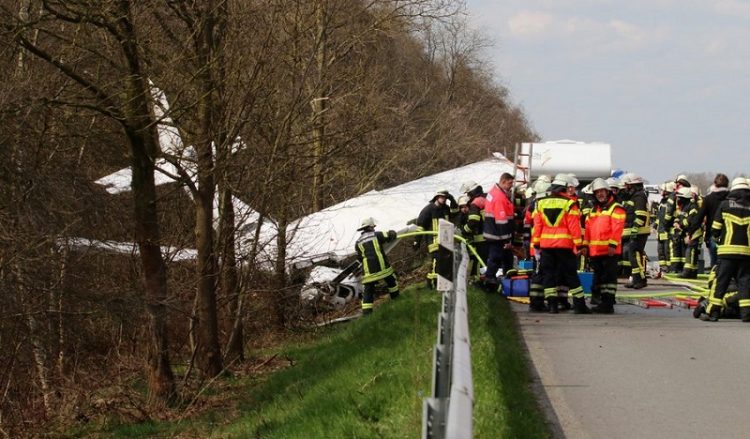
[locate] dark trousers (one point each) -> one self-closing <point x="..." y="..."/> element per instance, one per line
<point x="692" y="252"/>
<point x="605" y="274"/>
<point x="726" y="270"/>
<point x="368" y="297"/>
<point x="637" y="247"/>
<point x="498" y="257"/>
<point x="481" y="249"/>
<point x="677" y="252"/>
<point x="662" y="251"/>
<point x="559" y="267"/>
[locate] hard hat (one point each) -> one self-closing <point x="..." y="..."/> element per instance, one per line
<point x="529" y="192"/>
<point x="560" y="180"/>
<point x="680" y="177"/>
<point x="467" y="186"/>
<point x="587" y="189"/>
<point x="440" y="193"/>
<point x="635" y="179"/>
<point x="625" y="179"/>
<point x="684" y="192"/>
<point x="463" y="200"/>
<point x="695" y="191"/>
<point x="366" y="222"/>
<point x="544" y="177"/>
<point x="541" y="186"/>
<point x="614" y="183"/>
<point x="739" y="183"/>
<point x="669" y="186"/>
<point x="572" y="180"/>
<point x="663" y="187"/>
<point x="598" y="184"/>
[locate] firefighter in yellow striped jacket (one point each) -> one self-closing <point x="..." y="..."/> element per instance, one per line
<point x="639" y="230"/>
<point x="603" y="243"/>
<point x="693" y="236"/>
<point x="428" y="220"/>
<point x="731" y="226"/>
<point x="375" y="265"/>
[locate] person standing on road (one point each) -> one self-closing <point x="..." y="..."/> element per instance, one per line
<point x="707" y="212"/>
<point x="730" y="228"/>
<point x="640" y="228"/>
<point x="663" y="226"/>
<point x="375" y="265"/>
<point x="557" y="235"/>
<point x="498" y="230"/>
<point x="603" y="243"/>
<point x="428" y="220"/>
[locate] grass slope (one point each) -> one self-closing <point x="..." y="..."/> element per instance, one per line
<point x="368" y="378"/>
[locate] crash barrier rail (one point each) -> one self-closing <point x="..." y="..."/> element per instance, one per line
<point x="448" y="412"/>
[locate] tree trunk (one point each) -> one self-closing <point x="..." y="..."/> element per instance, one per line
<point x="229" y="277"/>
<point x="319" y="105"/>
<point x="144" y="145"/>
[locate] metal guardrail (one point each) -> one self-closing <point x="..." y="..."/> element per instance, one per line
<point x="448" y="412"/>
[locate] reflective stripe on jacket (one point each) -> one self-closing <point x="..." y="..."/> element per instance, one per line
<point x="369" y="248"/>
<point x="498" y="215"/>
<point x="557" y="223"/>
<point x="732" y="225"/>
<point x="604" y="227"/>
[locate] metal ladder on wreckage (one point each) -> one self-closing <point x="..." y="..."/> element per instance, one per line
<point x="522" y="162"/>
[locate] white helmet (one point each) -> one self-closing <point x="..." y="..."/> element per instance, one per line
<point x="598" y="184"/>
<point x="541" y="186"/>
<point x="669" y="186"/>
<point x="463" y="200"/>
<point x="636" y="179"/>
<point x="367" y="222"/>
<point x="587" y="189"/>
<point x="739" y="183"/>
<point x="560" y="180"/>
<point x="467" y="186"/>
<point x="695" y="191"/>
<point x="573" y="181"/>
<point x="614" y="183"/>
<point x="684" y="192"/>
<point x="544" y="177"/>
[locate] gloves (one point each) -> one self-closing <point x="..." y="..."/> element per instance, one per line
<point x="450" y="198"/>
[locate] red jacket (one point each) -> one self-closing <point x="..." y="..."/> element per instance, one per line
<point x="557" y="223"/>
<point x="604" y="227"/>
<point x="498" y="215"/>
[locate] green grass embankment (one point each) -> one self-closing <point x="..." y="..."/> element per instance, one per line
<point x="368" y="378"/>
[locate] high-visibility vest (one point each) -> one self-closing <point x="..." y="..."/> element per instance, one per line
<point x="604" y="227"/>
<point x="557" y="223"/>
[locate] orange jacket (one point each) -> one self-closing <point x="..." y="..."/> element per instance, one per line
<point x="604" y="227"/>
<point x="557" y="223"/>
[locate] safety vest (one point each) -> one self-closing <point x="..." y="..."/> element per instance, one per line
<point x="732" y="226"/>
<point x="557" y="223"/>
<point x="369" y="248"/>
<point x="604" y="227"/>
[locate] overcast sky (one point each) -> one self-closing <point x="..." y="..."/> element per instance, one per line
<point x="665" y="82"/>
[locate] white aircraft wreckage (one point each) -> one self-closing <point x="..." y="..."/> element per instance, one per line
<point x="327" y="237"/>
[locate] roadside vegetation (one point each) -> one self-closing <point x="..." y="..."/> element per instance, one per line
<point x="368" y="378"/>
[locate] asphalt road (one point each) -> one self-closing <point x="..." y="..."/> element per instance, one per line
<point x="640" y="373"/>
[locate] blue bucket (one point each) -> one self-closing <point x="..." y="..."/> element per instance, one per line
<point x="516" y="287"/>
<point x="587" y="280"/>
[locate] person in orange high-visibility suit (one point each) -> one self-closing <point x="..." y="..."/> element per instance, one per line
<point x="603" y="243"/>
<point x="557" y="235"/>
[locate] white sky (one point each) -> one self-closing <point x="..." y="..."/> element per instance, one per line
<point x="666" y="82"/>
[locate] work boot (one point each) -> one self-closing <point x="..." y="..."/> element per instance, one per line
<point x="638" y="282"/>
<point x="536" y="304"/>
<point x="579" y="306"/>
<point x="745" y="313"/>
<point x="606" y="305"/>
<point x="596" y="296"/>
<point x="689" y="274"/>
<point x="713" y="317"/>
<point x="564" y="304"/>
<point x="552" y="305"/>
<point x="700" y="308"/>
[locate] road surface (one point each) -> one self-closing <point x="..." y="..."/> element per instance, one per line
<point x="640" y="373"/>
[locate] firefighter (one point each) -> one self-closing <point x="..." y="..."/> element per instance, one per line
<point x="623" y="197"/>
<point x="705" y="217"/>
<point x="375" y="265"/>
<point x="663" y="226"/>
<point x="585" y="203"/>
<point x="536" y="288"/>
<point x="638" y="220"/>
<point x="603" y="244"/>
<point x="692" y="235"/>
<point x="730" y="227"/>
<point x="557" y="234"/>
<point x="678" y="233"/>
<point x="498" y="230"/>
<point x="427" y="220"/>
<point x="475" y="223"/>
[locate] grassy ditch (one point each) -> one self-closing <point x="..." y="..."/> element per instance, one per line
<point x="368" y="378"/>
